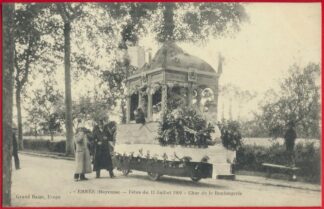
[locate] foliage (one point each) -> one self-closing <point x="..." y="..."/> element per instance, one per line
<point x="197" y="21"/>
<point x="184" y="127"/>
<point x="253" y="128"/>
<point x="298" y="102"/>
<point x="44" y="145"/>
<point x="45" y="104"/>
<point x="34" y="27"/>
<point x="230" y="134"/>
<point x="88" y="108"/>
<point x="176" y="21"/>
<point x="114" y="79"/>
<point x="307" y="158"/>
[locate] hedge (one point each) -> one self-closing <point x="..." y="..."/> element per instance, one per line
<point x="307" y="158"/>
<point x="44" y="145"/>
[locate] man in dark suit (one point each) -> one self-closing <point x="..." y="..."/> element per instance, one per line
<point x="15" y="147"/>
<point x="290" y="137"/>
<point x="102" y="158"/>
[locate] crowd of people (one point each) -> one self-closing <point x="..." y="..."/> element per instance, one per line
<point x="95" y="146"/>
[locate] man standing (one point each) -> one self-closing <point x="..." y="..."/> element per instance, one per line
<point x="102" y="157"/>
<point x="290" y="137"/>
<point x="15" y="147"/>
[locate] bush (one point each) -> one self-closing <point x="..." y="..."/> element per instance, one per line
<point x="307" y="158"/>
<point x="44" y="145"/>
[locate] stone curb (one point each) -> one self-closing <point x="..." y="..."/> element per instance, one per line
<point x="277" y="184"/>
<point x="48" y="155"/>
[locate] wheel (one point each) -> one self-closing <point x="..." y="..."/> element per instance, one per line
<point x="195" y="178"/>
<point x="154" y="176"/>
<point x="125" y="171"/>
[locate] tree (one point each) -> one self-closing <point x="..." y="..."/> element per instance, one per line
<point x="298" y="101"/>
<point x="178" y="21"/>
<point x="31" y="24"/>
<point x="69" y="12"/>
<point x="44" y="109"/>
<point x="230" y="92"/>
<point x="198" y="21"/>
<point x="51" y="125"/>
<point x="33" y="119"/>
<point x="7" y="98"/>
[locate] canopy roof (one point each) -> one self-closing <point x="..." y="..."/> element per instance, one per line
<point x="170" y="55"/>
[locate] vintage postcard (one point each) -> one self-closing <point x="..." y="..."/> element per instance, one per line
<point x="161" y="104"/>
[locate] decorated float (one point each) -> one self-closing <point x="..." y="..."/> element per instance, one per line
<point x="178" y="94"/>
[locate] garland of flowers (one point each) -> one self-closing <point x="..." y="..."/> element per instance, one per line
<point x="184" y="126"/>
<point x="174" y="160"/>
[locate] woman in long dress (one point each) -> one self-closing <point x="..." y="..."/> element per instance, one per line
<point x="82" y="155"/>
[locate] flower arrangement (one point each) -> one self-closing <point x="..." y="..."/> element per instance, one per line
<point x="184" y="126"/>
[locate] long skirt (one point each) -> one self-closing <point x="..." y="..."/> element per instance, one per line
<point x="83" y="162"/>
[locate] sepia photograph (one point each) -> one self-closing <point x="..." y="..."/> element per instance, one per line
<point x="161" y="104"/>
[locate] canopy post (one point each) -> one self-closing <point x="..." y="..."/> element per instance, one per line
<point x="149" y="106"/>
<point x="164" y="98"/>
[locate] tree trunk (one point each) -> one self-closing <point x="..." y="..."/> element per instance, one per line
<point x="68" y="95"/>
<point x="52" y="136"/>
<point x="168" y="22"/>
<point x="19" y="120"/>
<point x="35" y="131"/>
<point x="7" y="99"/>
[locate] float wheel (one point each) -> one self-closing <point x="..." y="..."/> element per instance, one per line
<point x="195" y="178"/>
<point x="154" y="176"/>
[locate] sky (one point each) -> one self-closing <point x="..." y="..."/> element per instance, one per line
<point x="257" y="57"/>
<point x="277" y="35"/>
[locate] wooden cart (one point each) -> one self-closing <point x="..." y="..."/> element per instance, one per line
<point x="156" y="168"/>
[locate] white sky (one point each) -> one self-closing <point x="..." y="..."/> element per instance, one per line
<point x="258" y="57"/>
<point x="277" y="36"/>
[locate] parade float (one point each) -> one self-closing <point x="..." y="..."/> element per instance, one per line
<point x="180" y="136"/>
